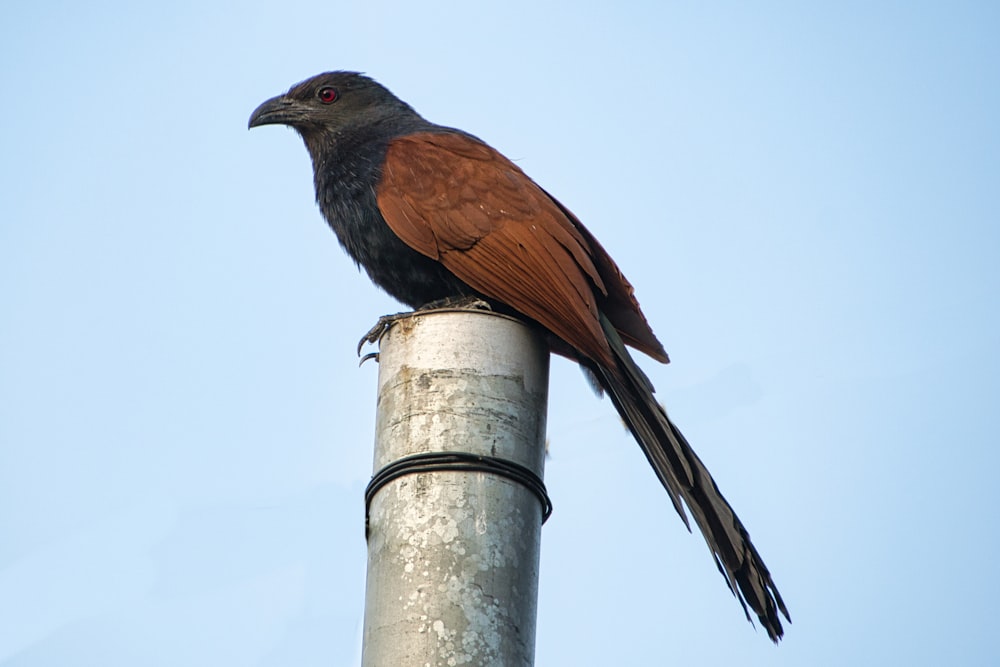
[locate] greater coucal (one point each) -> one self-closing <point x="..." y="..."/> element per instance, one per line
<point x="434" y="214"/>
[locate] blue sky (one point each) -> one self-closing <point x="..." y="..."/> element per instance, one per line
<point x="804" y="194"/>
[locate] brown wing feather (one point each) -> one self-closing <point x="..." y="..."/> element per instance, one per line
<point x="620" y="306"/>
<point x="457" y="200"/>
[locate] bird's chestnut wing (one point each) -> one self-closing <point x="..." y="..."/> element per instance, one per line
<point x="456" y="200"/>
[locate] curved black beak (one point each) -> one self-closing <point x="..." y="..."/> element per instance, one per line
<point x="278" y="110"/>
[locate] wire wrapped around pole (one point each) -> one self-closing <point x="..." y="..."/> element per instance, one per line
<point x="457" y="461"/>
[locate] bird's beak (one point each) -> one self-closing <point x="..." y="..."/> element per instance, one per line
<point x="278" y="110"/>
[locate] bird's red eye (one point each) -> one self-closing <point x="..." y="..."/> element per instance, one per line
<point x="327" y="95"/>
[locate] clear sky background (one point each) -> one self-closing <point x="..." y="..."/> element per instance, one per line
<point x="806" y="196"/>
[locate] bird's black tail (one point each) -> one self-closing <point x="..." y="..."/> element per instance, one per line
<point x="686" y="477"/>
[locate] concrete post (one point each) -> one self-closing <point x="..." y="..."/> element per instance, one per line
<point x="453" y="554"/>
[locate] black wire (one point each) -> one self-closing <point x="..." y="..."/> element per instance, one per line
<point x="444" y="461"/>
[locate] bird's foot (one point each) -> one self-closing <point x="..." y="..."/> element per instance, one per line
<point x="376" y="332"/>
<point x="386" y="321"/>
<point x="456" y="303"/>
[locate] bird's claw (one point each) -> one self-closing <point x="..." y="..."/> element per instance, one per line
<point x="459" y="303"/>
<point x="377" y="331"/>
<point x="386" y="321"/>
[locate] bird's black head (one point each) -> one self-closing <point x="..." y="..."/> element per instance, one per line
<point x="331" y="103"/>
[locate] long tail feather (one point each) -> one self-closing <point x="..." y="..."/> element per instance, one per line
<point x="685" y="477"/>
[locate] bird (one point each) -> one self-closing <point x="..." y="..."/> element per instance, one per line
<point x="435" y="215"/>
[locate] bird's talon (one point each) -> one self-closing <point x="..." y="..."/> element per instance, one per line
<point x="370" y="355"/>
<point x="457" y="303"/>
<point x="377" y="331"/>
<point x="479" y="304"/>
<point x="386" y="321"/>
<point x="372" y="336"/>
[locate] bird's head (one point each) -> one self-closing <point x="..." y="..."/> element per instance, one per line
<point x="331" y="103"/>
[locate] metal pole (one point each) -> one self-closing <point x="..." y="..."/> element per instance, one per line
<point x="453" y="554"/>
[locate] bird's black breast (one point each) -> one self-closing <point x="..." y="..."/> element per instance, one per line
<point x="347" y="173"/>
